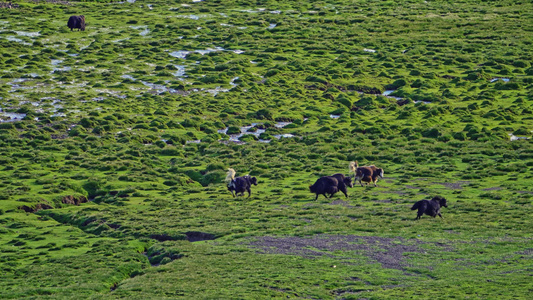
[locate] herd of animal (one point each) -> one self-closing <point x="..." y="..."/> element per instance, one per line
<point x="326" y="185"/>
<point x="330" y="185"/>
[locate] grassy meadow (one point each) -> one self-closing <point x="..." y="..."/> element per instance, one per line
<point x="115" y="142"/>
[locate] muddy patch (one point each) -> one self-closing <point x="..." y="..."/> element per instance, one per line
<point x="74" y="200"/>
<point x="162" y="237"/>
<point x="197" y="236"/>
<point x="341" y="202"/>
<point x="454" y="185"/>
<point x="389" y="252"/>
<point x="496" y="188"/>
<point x="38" y="206"/>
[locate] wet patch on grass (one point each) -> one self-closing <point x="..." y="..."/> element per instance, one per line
<point x="389" y="252"/>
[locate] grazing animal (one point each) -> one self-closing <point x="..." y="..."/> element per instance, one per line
<point x="332" y="184"/>
<point x="343" y="182"/>
<point x="367" y="173"/>
<point x="325" y="185"/>
<point x="431" y="207"/>
<point x="239" y="185"/>
<point x="76" y="22"/>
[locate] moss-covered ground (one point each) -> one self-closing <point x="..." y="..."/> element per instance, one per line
<point x="115" y="142"/>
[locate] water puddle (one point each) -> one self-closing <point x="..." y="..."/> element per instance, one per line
<point x="42" y="106"/>
<point x="29" y="34"/>
<point x="498" y="78"/>
<point x="192" y="17"/>
<point x="57" y="62"/>
<point x="388" y="93"/>
<point x="144" y="27"/>
<point x="10" y="116"/>
<point x="128" y="77"/>
<point x="15" y="84"/>
<point x="180" y="71"/>
<point x="232" y="82"/>
<point x="183" y="53"/>
<point x="244" y="130"/>
<point x="63" y="69"/>
<point x="120" y="40"/>
<point x="122" y="2"/>
<point x="251" y="11"/>
<point x="180" y="54"/>
<point x="159" y="88"/>
<point x="369" y="50"/>
<point x="334" y="116"/>
<point x="14" y="39"/>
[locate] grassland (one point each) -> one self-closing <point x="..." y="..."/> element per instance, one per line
<point x="115" y="141"/>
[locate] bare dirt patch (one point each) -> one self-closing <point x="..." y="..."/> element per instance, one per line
<point x="454" y="185"/>
<point x="389" y="252"/>
<point x="341" y="202"/>
<point x="496" y="188"/>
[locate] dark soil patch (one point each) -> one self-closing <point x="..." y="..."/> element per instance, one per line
<point x="496" y="188"/>
<point x="341" y="202"/>
<point x="162" y="237"/>
<point x="455" y="185"/>
<point x="411" y="187"/>
<point x="74" y="200"/>
<point x="382" y="201"/>
<point x="196" y="236"/>
<point x="114" y="226"/>
<point x="8" y="5"/>
<point x="527" y="252"/>
<point x="389" y="252"/>
<point x="38" y="206"/>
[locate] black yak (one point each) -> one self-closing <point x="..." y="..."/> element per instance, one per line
<point x="239" y="185"/>
<point x="343" y="182"/>
<point x="431" y="207"/>
<point x="325" y="185"/>
<point x="331" y="185"/>
<point x="76" y="22"/>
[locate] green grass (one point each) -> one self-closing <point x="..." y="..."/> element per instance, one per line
<point x="108" y="118"/>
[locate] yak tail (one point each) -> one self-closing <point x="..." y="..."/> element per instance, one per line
<point x="415" y="206"/>
<point x="230" y="175"/>
<point x="353" y="166"/>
